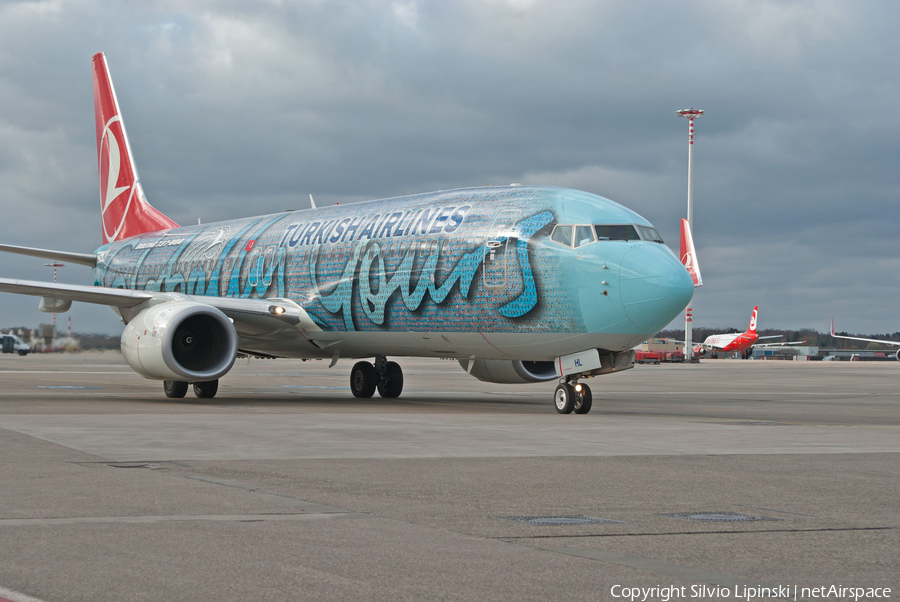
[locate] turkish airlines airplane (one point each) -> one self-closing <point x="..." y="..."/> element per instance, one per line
<point x="521" y="284"/>
<point x="883" y="342"/>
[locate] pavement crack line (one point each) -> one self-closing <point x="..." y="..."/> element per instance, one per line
<point x="275" y="498"/>
<point x="229" y="518"/>
<point x="586" y="535"/>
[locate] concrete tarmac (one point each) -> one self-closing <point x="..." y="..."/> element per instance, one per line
<point x="285" y="487"/>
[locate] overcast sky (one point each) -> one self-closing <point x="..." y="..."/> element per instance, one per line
<point x="244" y="108"/>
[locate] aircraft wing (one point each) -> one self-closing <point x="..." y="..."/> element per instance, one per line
<point x="244" y="312"/>
<point x="114" y="297"/>
<point x="88" y="259"/>
<point x="781" y="344"/>
<point x="837" y="336"/>
<point x="771" y="336"/>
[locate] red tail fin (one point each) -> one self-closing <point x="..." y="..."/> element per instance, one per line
<point x="689" y="253"/>
<point x="124" y="210"/>
<point x="752" y="327"/>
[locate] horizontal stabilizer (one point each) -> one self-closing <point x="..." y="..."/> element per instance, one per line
<point x="88" y="259"/>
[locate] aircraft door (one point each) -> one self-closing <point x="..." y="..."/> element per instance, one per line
<point x="499" y="251"/>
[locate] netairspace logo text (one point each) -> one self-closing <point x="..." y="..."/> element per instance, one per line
<point x="665" y="593"/>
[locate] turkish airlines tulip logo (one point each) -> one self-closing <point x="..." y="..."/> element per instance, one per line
<point x="688" y="261"/>
<point x="115" y="165"/>
<point x="690" y="264"/>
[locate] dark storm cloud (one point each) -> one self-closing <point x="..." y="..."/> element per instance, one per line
<point x="237" y="108"/>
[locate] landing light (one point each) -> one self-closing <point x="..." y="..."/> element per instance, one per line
<point x="276" y="310"/>
<point x="578" y="388"/>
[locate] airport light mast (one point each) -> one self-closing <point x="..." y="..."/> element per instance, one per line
<point x="690" y="114"/>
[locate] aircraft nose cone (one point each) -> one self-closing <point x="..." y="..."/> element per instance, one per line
<point x="654" y="285"/>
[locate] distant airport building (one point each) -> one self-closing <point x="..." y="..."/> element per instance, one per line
<point x="661" y="345"/>
<point x="786" y="353"/>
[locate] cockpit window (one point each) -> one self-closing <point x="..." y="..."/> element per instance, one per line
<point x="650" y="234"/>
<point x="562" y="235"/>
<point x="617" y="232"/>
<point x="578" y="235"/>
<point x="584" y="235"/>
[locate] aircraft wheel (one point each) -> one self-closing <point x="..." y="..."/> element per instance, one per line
<point x="175" y="389"/>
<point x="206" y="390"/>
<point x="363" y="379"/>
<point x="23" y="353"/>
<point x="564" y="398"/>
<point x="583" y="400"/>
<point x="391" y="383"/>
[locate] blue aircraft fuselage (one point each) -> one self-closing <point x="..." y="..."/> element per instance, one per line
<point x="477" y="271"/>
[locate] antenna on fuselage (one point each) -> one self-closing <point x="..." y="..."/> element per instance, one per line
<point x="312" y="203"/>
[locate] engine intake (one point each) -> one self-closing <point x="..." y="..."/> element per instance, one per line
<point x="511" y="371"/>
<point x="182" y="341"/>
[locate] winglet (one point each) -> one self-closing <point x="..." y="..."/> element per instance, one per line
<point x="832" y="326"/>
<point x="124" y="211"/>
<point x="689" y="254"/>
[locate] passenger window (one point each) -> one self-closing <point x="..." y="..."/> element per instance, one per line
<point x="616" y="232"/>
<point x="584" y="235"/>
<point x="563" y="235"/>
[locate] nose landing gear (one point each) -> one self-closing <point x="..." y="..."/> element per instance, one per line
<point x="572" y="396"/>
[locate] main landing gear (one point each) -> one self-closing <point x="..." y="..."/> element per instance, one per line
<point x="572" y="396"/>
<point x="176" y="389"/>
<point x="385" y="376"/>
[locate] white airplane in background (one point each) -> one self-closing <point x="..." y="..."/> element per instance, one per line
<point x="883" y="342"/>
<point x="743" y="342"/>
<point x="521" y="284"/>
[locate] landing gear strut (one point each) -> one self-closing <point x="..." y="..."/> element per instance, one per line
<point x="385" y="376"/>
<point x="572" y="396"/>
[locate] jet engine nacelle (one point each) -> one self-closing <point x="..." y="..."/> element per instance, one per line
<point x="897" y="355"/>
<point x="180" y="340"/>
<point x="510" y="371"/>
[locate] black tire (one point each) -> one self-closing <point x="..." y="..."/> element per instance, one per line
<point x="564" y="398"/>
<point x="584" y="400"/>
<point x="175" y="389"/>
<point x="392" y="384"/>
<point x="206" y="390"/>
<point x="363" y="379"/>
<point x="23" y="353"/>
